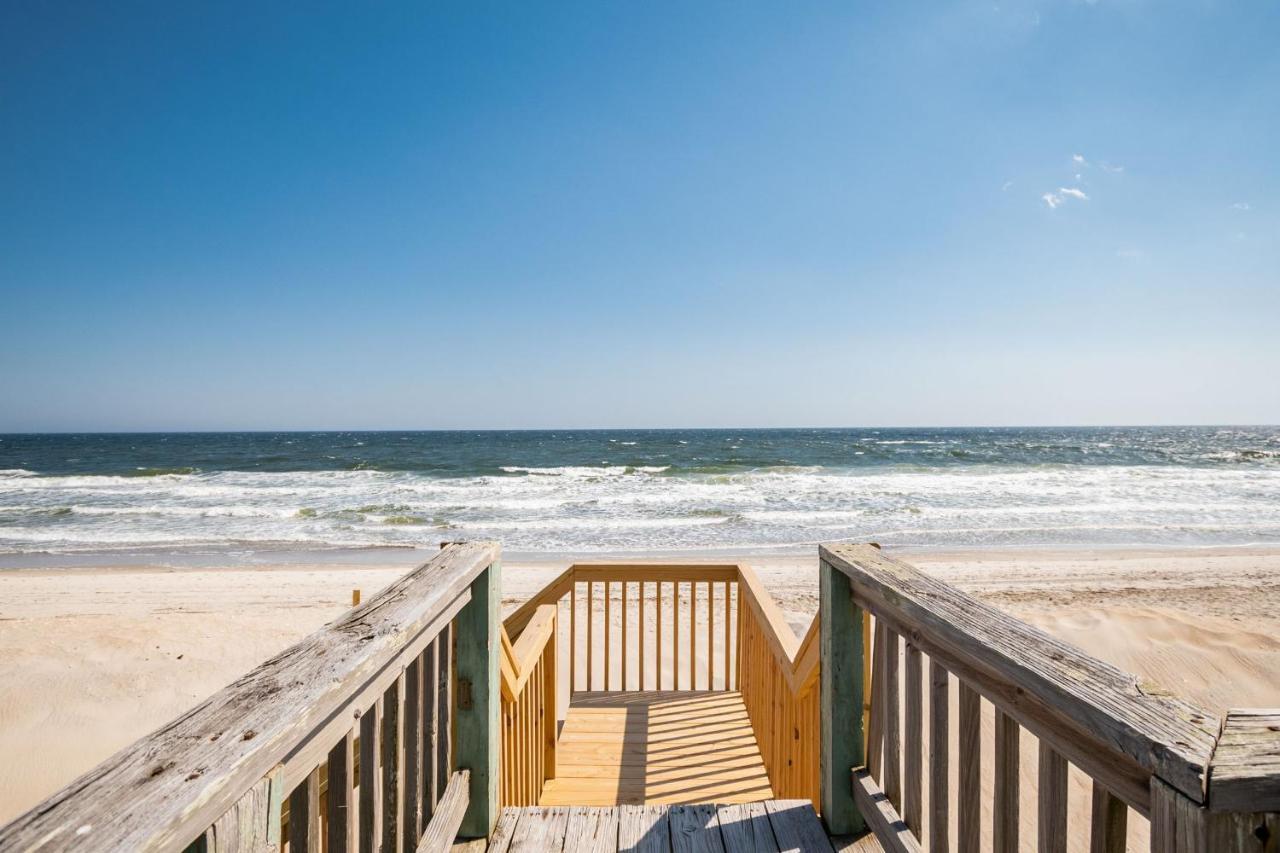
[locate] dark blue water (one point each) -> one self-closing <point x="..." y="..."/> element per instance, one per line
<point x="641" y="490"/>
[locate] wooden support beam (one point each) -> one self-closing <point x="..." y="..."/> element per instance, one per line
<point x="476" y="731"/>
<point x="841" y="686"/>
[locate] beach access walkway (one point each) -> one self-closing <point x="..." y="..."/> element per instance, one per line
<point x="656" y="706"/>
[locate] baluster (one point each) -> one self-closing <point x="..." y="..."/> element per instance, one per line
<point x="875" y="728"/>
<point x="340" y="813"/>
<point x="444" y="711"/>
<point x="304" y="815"/>
<point x="608" y="624"/>
<point x="939" y="756"/>
<point x="892" y="721"/>
<point x="693" y="635"/>
<point x="430" y="736"/>
<point x="912" y="743"/>
<point x="1005" y="806"/>
<point x="573" y="637"/>
<point x="392" y="734"/>
<point x="1108" y="825"/>
<point x="969" y="799"/>
<point x="591" y="625"/>
<point x="657" y="618"/>
<point x="624" y="636"/>
<point x="641" y="635"/>
<point x="675" y="635"/>
<point x="409" y="816"/>
<point x="724" y="589"/>
<point x="711" y="644"/>
<point x="1051" y="835"/>
<point x="370" y="779"/>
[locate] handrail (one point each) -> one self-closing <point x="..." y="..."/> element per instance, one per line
<point x="1205" y="783"/>
<point x="528" y="686"/>
<point x="228" y="763"/>
<point x="778" y="677"/>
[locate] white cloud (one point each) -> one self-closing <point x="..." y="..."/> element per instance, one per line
<point x="1079" y="158"/>
<point x="1107" y="167"/>
<point x="1063" y="193"/>
<point x="1004" y="188"/>
<point x="1242" y="205"/>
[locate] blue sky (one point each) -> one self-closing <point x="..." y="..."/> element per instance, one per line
<point x="418" y="215"/>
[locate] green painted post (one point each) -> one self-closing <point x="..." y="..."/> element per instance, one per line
<point x="476" y="726"/>
<point x="842" y="687"/>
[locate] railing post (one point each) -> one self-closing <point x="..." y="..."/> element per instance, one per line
<point x="842" y="689"/>
<point x="478" y="736"/>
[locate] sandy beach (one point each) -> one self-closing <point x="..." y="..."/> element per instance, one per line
<point x="94" y="657"/>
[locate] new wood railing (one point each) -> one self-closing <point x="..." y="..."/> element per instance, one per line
<point x="529" y="709"/>
<point x="1205" y="784"/>
<point x="376" y="733"/>
<point x="778" y="678"/>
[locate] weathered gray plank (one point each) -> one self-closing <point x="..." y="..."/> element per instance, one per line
<point x="969" y="797"/>
<point x="1114" y="728"/>
<point x="882" y="817"/>
<point x="1005" y="805"/>
<point x="591" y="830"/>
<point x="540" y="829"/>
<point x="796" y="826"/>
<point x="252" y="825"/>
<point x="392" y="736"/>
<point x="304" y="815"/>
<point x="476" y="730"/>
<point x="912" y="742"/>
<point x="169" y="787"/>
<point x="432" y="785"/>
<point x="694" y="829"/>
<point x="1109" y="822"/>
<point x="1051" y="795"/>
<point x="939" y="758"/>
<point x="1246" y="765"/>
<point x="500" y="841"/>
<point x="370" y="779"/>
<point x="340" y="797"/>
<point x="891" y="775"/>
<point x="643" y="829"/>
<point x="444" y="708"/>
<point x="411" y="756"/>
<point x="438" y="835"/>
<point x="745" y="828"/>
<point x="840" y="623"/>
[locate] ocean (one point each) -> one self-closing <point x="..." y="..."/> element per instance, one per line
<point x="639" y="491"/>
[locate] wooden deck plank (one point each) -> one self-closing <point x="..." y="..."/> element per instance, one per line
<point x="592" y="830"/>
<point x="660" y="747"/>
<point x="744" y="828"/>
<point x="796" y="826"/>
<point x="695" y="829"/>
<point x="539" y="830"/>
<point x="643" y="829"/>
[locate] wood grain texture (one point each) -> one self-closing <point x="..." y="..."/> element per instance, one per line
<point x="591" y="830"/>
<point x="695" y="829"/>
<point x="912" y="741"/>
<point x="1115" y="728"/>
<point x="796" y="826"/>
<point x="968" y="798"/>
<point x="540" y="830"/>
<point x="890" y="830"/>
<point x="1108" y="824"/>
<point x="939" y="758"/>
<point x="840" y="696"/>
<point x="167" y="788"/>
<point x="477" y="736"/>
<point x="340" y="798"/>
<point x="1246" y="766"/>
<point x="1051" y="798"/>
<point x="439" y="833"/>
<point x="1005" y="806"/>
<point x="643" y="829"/>
<point x="745" y="827"/>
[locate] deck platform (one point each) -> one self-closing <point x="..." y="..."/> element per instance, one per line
<point x="771" y="825"/>
<point x="657" y="748"/>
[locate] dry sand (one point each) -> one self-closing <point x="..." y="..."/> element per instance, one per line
<point x="93" y="658"/>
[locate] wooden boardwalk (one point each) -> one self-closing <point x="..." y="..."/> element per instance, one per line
<point x="657" y="748"/>
<point x="771" y="825"/>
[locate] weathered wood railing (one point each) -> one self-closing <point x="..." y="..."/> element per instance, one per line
<point x="1205" y="784"/>
<point x="778" y="678"/>
<point x="376" y="733"/>
<point x="529" y="709"/>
